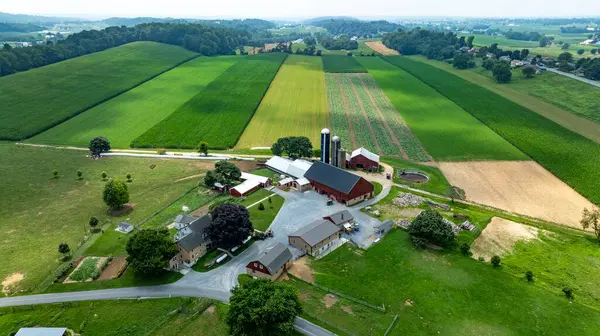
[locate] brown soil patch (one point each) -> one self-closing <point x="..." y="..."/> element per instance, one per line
<point x="301" y="269"/>
<point x="246" y="166"/>
<point x="125" y="209"/>
<point x="379" y="47"/>
<point x="11" y="282"/>
<point x="522" y="187"/>
<point x="408" y="303"/>
<point x="347" y="309"/>
<point x="112" y="270"/>
<point x="500" y="236"/>
<point x="190" y="177"/>
<point x="329" y="300"/>
<point x="210" y="310"/>
<point x="397" y="211"/>
<point x="201" y="211"/>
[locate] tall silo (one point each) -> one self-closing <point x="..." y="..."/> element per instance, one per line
<point x="335" y="147"/>
<point x="325" y="145"/>
<point x="342" y="158"/>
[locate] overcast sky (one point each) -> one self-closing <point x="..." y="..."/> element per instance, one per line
<point x="302" y="8"/>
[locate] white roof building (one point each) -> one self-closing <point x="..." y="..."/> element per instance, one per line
<point x="260" y="179"/>
<point x="246" y="186"/>
<point x="362" y="151"/>
<point x="296" y="168"/>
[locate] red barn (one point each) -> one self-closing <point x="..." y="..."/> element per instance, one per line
<point x="363" y="159"/>
<point x="271" y="264"/>
<point x="338" y="184"/>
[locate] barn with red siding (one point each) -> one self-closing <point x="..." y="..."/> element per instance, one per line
<point x="340" y="185"/>
<point x="363" y="159"/>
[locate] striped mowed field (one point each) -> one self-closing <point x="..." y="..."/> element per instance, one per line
<point x="295" y="105"/>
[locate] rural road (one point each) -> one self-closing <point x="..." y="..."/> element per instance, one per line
<point x="581" y="79"/>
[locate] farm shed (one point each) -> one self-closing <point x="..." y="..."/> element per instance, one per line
<point x="124" y="227"/>
<point x="316" y="237"/>
<point x="384" y="227"/>
<point x="191" y="241"/>
<point x="271" y="264"/>
<point x="251" y="183"/>
<point x="340" y="218"/>
<point x="363" y="159"/>
<point x="41" y="332"/>
<point x="296" y="168"/>
<point x="338" y="184"/>
<point x="302" y="184"/>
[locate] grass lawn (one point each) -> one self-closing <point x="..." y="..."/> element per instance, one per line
<point x="40" y="211"/>
<point x="294" y="105"/>
<point x="262" y="219"/>
<point x="561" y="99"/>
<point x="377" y="187"/>
<point x="256" y="196"/>
<point x="156" y="317"/>
<point x="449" y="294"/>
<point x="127" y="116"/>
<point x="437" y="183"/>
<point x="110" y="242"/>
<point x="447" y="132"/>
<point x="35" y="100"/>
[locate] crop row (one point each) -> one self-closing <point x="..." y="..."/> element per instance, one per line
<point x="339" y="121"/>
<point x="219" y="113"/>
<point x="568" y="155"/>
<point x="340" y="63"/>
<point x="36" y="100"/>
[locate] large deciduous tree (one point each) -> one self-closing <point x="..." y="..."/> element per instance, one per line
<point x="502" y="72"/>
<point x="528" y="71"/>
<point x="99" y="145"/>
<point x="429" y="226"/>
<point x="262" y="307"/>
<point x="230" y="225"/>
<point x="115" y="194"/>
<point x="463" y="61"/>
<point x="149" y="251"/>
<point x="591" y="218"/>
<point x="294" y="147"/>
<point x="203" y="148"/>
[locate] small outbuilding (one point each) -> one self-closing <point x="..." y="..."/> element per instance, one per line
<point x="251" y="183"/>
<point x="271" y="264"/>
<point x="340" y="218"/>
<point x="316" y="237"/>
<point x="124" y="227"/>
<point x="363" y="159"/>
<point x="42" y="332"/>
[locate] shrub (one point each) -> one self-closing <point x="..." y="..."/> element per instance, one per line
<point x="529" y="276"/>
<point x="496" y="261"/>
<point x="568" y="292"/>
<point x="55" y="173"/>
<point x="161" y="152"/>
<point x="465" y="249"/>
<point x="502" y="72"/>
<point x="261" y="207"/>
<point x="104" y="175"/>
<point x="430" y="226"/>
<point x="270" y="200"/>
<point x="79" y="174"/>
<point x="93" y="222"/>
<point x="128" y="177"/>
<point x="481" y="259"/>
<point x="64" y="248"/>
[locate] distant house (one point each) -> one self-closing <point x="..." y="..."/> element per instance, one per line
<point x="191" y="240"/>
<point x="338" y="184"/>
<point x="505" y="58"/>
<point x="490" y="55"/>
<point x="42" y="332"/>
<point x="316" y="237"/>
<point x="363" y="159"/>
<point x="340" y="218"/>
<point x="220" y="187"/>
<point x="271" y="264"/>
<point x="124" y="227"/>
<point x="516" y="63"/>
<point x="251" y="183"/>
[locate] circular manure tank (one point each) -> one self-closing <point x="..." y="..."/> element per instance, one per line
<point x="413" y="176"/>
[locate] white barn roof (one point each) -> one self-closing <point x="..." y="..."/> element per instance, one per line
<point x="296" y="168"/>
<point x="362" y="151"/>
<point x="246" y="186"/>
<point x="260" y="179"/>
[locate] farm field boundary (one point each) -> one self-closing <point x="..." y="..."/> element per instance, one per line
<point x="363" y="117"/>
<point x="124" y="118"/>
<point x="519" y="93"/>
<point x="220" y="112"/>
<point x="381" y="48"/>
<point x="88" y="81"/>
<point x="294" y="105"/>
<point x="447" y="132"/>
<point x="571" y="157"/>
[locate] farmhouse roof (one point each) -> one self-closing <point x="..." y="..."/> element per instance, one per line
<point x="362" y="151"/>
<point x="341" y="217"/>
<point x="384" y="226"/>
<point x="276" y="257"/>
<point x="332" y="177"/>
<point x="41" y="332"/>
<point x="316" y="231"/>
<point x="197" y="237"/>
<point x="185" y="219"/>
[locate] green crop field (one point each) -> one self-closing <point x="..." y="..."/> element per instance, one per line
<point x="38" y="99"/>
<point x="447" y="131"/>
<point x="153" y="317"/>
<point x="446" y="293"/>
<point x="40" y="211"/>
<point x="363" y="117"/>
<point x="295" y="105"/>
<point x="568" y="155"/>
<point x="219" y="113"/>
<point x="561" y="99"/>
<point x="127" y="116"/>
<point x="338" y="63"/>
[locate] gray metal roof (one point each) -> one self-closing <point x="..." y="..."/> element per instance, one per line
<point x="332" y="177"/>
<point x="316" y="231"/>
<point x="276" y="257"/>
<point x="185" y="219"/>
<point x="41" y="332"/>
<point x="197" y="237"/>
<point x="341" y="217"/>
<point x="384" y="225"/>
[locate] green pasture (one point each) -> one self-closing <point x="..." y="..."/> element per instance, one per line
<point x="340" y="63"/>
<point x="220" y="112"/>
<point x="127" y="116"/>
<point x="447" y="132"/>
<point x="38" y="99"/>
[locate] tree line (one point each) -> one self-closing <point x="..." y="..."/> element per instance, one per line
<point x="355" y="27"/>
<point x="19" y="27"/>
<point x="342" y="42"/>
<point x="523" y="36"/>
<point x="203" y="39"/>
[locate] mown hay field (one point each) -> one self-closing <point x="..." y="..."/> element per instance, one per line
<point x="127" y="116"/>
<point x="219" y="113"/>
<point x="363" y="117"/>
<point x="295" y="105"/>
<point x="38" y="99"/>
<point x="571" y="157"/>
<point x="341" y="63"/>
<point x="447" y="132"/>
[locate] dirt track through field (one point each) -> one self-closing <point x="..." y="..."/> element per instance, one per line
<point x="381" y="48"/>
<point x="347" y="110"/>
<point x="366" y="118"/>
<point x="385" y="123"/>
<point x="522" y="187"/>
